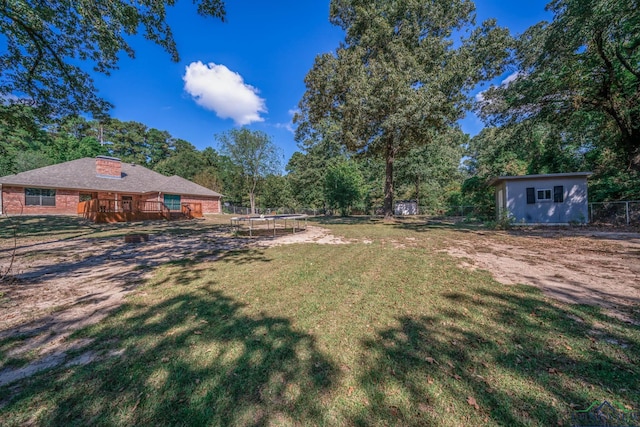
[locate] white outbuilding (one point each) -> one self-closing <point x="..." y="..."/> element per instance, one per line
<point x="559" y="198"/>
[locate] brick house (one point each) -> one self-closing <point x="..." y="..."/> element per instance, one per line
<point x="114" y="186"/>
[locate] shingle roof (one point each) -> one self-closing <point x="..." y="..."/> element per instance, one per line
<point x="81" y="175"/>
<point x="497" y="180"/>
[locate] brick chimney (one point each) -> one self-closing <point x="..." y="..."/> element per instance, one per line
<point x="108" y="167"/>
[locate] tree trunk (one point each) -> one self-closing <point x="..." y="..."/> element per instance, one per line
<point x="252" y="196"/>
<point x="252" y="202"/>
<point x="418" y="196"/>
<point x="388" y="182"/>
<point x="631" y="147"/>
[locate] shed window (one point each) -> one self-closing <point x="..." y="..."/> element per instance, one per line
<point x="531" y="196"/>
<point x="39" y="197"/>
<point x="558" y="194"/>
<point x="543" y="195"/>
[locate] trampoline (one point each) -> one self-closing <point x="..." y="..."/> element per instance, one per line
<point x="270" y="224"/>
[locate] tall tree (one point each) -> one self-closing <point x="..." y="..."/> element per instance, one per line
<point x="306" y="170"/>
<point x="159" y="144"/>
<point x="343" y="185"/>
<point x="185" y="161"/>
<point x="47" y="47"/>
<point x="585" y="63"/>
<point x="432" y="168"/>
<point x="72" y="137"/>
<point x="275" y="193"/>
<point x="21" y="131"/>
<point x="400" y="75"/>
<point x="127" y="140"/>
<point x="255" y="155"/>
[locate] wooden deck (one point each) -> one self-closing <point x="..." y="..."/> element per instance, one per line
<point x="111" y="210"/>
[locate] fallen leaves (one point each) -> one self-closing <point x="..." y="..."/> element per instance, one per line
<point x="423" y="407"/>
<point x="472" y="401"/>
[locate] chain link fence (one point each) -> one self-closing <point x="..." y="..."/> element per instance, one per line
<point x="619" y="213"/>
<point x="450" y="211"/>
<point x="245" y="210"/>
<point x="615" y="213"/>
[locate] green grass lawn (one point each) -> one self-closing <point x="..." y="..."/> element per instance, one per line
<point x="359" y="334"/>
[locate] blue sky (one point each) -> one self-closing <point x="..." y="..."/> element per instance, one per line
<point x="248" y="70"/>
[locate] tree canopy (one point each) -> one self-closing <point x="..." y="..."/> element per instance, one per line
<point x="426" y="172"/>
<point x="343" y="185"/>
<point x="401" y="74"/>
<point x="255" y="155"/>
<point x="581" y="73"/>
<point x="49" y="47"/>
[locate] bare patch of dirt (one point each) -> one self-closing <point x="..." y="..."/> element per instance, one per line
<point x="60" y="286"/>
<point x="312" y="234"/>
<point x="574" y="266"/>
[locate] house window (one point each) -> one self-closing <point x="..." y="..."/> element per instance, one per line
<point x="172" y="201"/>
<point x="39" y="197"/>
<point x="543" y="195"/>
<point x="85" y="197"/>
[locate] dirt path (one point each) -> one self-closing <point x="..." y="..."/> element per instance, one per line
<point x="574" y="266"/>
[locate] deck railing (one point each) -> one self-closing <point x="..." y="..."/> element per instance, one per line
<point x="111" y="210"/>
<point x="191" y="210"/>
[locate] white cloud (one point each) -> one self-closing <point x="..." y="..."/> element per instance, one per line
<point x="289" y="126"/>
<point x="504" y="83"/>
<point x="217" y="88"/>
<point x="510" y="78"/>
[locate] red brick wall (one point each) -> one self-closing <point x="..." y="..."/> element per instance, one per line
<point x="13" y="203"/>
<point x="108" y="167"/>
<point x="210" y="205"/>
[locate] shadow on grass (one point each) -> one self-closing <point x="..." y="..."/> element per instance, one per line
<point x="193" y="358"/>
<point x="180" y="244"/>
<point x="417" y="223"/>
<point x="345" y="220"/>
<point x="526" y="363"/>
<point x="124" y="279"/>
<point x="68" y="226"/>
<point x="421" y="225"/>
<point x="43" y="226"/>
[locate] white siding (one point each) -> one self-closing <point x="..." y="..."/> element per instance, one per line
<point x="572" y="209"/>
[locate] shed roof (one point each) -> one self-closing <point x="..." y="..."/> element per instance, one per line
<point x="499" y="179"/>
<point x="81" y="174"/>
